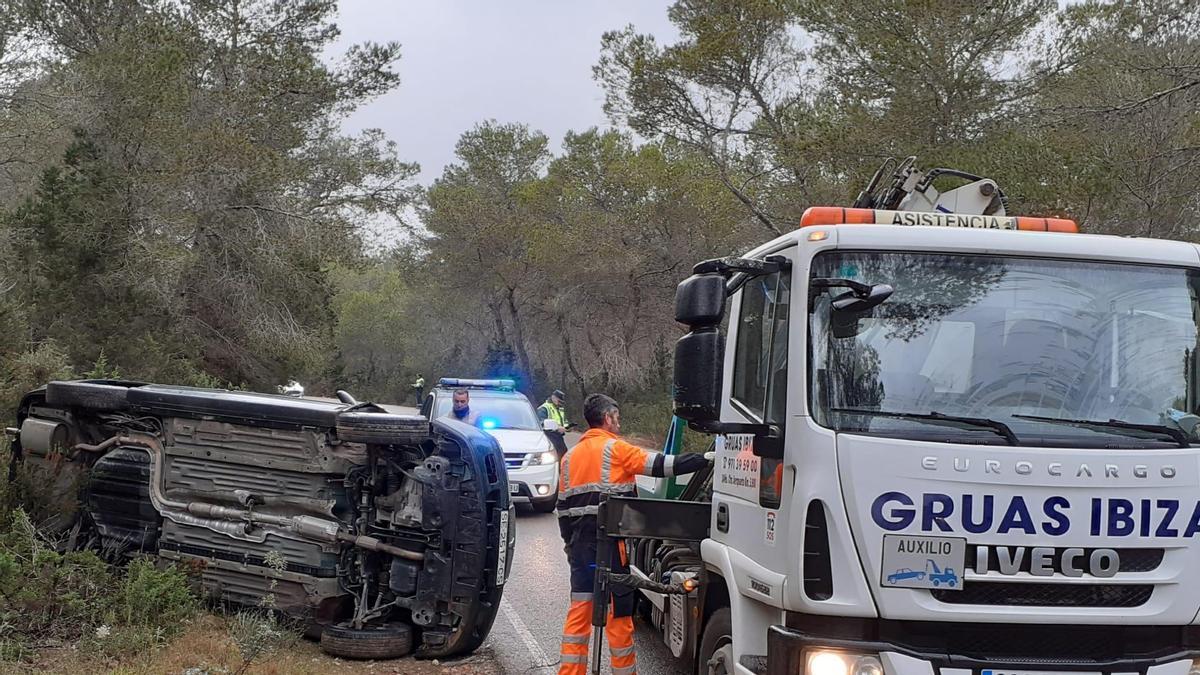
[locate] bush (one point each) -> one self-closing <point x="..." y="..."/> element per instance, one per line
<point x="50" y="598"/>
<point x="652" y="420"/>
<point x="27" y="371"/>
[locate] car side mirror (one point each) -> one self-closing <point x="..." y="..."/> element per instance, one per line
<point x="549" y="425"/>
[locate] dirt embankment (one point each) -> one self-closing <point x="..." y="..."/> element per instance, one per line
<point x="206" y="648"/>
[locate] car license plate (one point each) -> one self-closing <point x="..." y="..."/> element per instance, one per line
<point x="502" y="550"/>
<point x="911" y="561"/>
<point x="1005" y="671"/>
<point x="514" y="488"/>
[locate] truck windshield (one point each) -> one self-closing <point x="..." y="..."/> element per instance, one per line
<point x="1028" y="343"/>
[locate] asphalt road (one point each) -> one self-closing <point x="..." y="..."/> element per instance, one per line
<point x="525" y="637"/>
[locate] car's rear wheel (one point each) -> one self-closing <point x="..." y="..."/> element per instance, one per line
<point x="382" y="428"/>
<point x="87" y="395"/>
<point x="384" y="641"/>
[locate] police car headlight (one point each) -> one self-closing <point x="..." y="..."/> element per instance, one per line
<point x="548" y="457"/>
<point x="833" y="662"/>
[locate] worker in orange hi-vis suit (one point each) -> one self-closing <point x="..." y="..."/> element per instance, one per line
<point x="602" y="464"/>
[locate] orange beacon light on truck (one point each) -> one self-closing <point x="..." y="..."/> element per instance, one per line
<point x="836" y="215"/>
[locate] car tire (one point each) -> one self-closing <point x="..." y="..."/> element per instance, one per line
<point x="384" y="641"/>
<point x="382" y="428"/>
<point x="716" y="644"/>
<point x="545" y="505"/>
<point x="87" y="395"/>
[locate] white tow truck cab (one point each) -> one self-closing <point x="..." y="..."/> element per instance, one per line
<point x="947" y="444"/>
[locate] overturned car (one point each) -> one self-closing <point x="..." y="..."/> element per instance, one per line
<point x="383" y="533"/>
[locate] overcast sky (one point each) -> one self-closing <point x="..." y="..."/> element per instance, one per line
<point x="465" y="61"/>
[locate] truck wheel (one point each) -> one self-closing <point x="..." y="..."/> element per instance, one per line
<point x="384" y="641"/>
<point x="716" y="645"/>
<point x="382" y="428"/>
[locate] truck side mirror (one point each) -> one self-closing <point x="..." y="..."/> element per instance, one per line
<point x="700" y="300"/>
<point x="700" y="355"/>
<point x="699" y="358"/>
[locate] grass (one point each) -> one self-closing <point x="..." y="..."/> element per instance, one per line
<point x="207" y="647"/>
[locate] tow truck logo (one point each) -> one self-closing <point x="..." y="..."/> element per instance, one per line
<point x="913" y="561"/>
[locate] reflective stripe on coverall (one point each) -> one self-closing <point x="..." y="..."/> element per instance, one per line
<point x="601" y="464"/>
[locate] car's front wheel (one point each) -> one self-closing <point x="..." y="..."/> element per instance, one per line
<point x="385" y="641"/>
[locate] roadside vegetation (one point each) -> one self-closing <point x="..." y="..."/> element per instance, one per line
<point x="76" y="601"/>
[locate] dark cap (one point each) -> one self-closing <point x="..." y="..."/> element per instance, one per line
<point x="559" y="394"/>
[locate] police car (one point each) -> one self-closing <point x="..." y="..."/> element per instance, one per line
<point x="504" y="413"/>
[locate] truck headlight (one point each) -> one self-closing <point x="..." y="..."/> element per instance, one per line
<point x="832" y="662"/>
<point x="548" y="457"/>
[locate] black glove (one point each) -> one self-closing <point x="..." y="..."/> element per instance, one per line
<point x="689" y="463"/>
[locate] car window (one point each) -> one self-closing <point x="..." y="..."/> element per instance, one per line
<point x="495" y="412"/>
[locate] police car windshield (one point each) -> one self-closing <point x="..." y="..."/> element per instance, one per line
<point x="1011" y="340"/>
<point x="494" y="412"/>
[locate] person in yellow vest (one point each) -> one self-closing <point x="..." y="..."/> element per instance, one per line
<point x="418" y="389"/>
<point x="603" y="464"/>
<point x="555" y="410"/>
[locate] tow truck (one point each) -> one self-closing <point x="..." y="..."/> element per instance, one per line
<point x="922" y="382"/>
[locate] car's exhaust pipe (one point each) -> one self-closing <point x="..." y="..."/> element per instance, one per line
<point x="235" y="522"/>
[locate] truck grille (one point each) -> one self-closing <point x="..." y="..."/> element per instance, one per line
<point x="1007" y="593"/>
<point x="1132" y="559"/>
<point x="1009" y="643"/>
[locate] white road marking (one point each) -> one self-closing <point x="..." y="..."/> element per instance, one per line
<point x="537" y="654"/>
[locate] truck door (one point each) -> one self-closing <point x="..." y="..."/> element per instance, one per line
<point x="747" y="489"/>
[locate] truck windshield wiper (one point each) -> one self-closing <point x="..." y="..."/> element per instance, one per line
<point x="1117" y="426"/>
<point x="1000" y="428"/>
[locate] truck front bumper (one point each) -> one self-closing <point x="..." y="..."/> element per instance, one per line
<point x="795" y="652"/>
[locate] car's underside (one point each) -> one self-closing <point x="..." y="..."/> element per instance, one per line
<point x="381" y="529"/>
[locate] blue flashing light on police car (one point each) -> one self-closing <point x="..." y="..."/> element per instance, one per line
<point x="468" y="383"/>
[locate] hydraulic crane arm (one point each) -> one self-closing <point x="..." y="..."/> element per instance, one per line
<point x="911" y="189"/>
